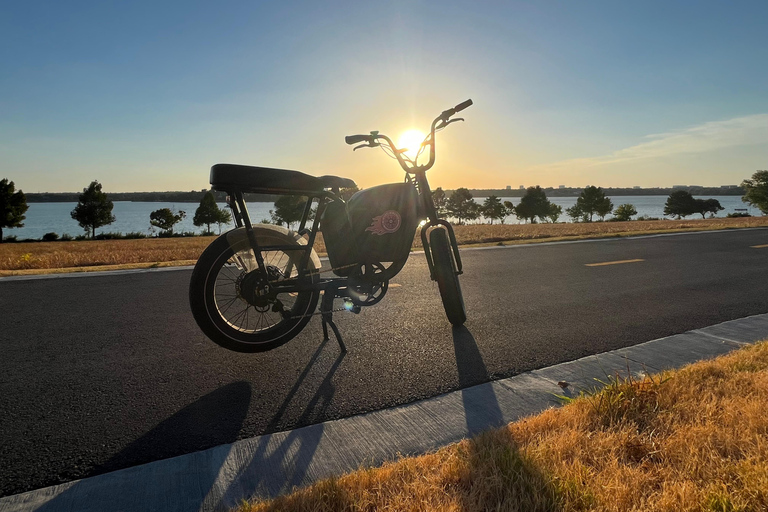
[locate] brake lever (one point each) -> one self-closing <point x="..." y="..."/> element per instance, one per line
<point x="371" y="145"/>
<point x="446" y="123"/>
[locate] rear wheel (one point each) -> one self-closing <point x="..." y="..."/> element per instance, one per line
<point x="234" y="303"/>
<point x="447" y="276"/>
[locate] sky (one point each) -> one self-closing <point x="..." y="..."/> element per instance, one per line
<point x="146" y="96"/>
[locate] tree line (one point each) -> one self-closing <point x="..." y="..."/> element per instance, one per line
<point x="94" y="208"/>
<point x="592" y="201"/>
<point x="534" y="205"/>
<point x="697" y="190"/>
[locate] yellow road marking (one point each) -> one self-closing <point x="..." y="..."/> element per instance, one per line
<point x="611" y="263"/>
<point x="760" y="246"/>
<point x="394" y="285"/>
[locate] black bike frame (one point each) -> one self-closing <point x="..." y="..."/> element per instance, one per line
<point x="422" y="185"/>
<point x="236" y="201"/>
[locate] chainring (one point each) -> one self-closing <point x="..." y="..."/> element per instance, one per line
<point x="365" y="285"/>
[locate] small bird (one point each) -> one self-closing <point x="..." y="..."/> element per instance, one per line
<point x="563" y="384"/>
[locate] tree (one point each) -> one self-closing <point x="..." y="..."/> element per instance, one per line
<point x="348" y="192"/>
<point x="224" y="217"/>
<point x="680" y="203"/>
<point x="704" y="206"/>
<point x="624" y="212"/>
<point x="13" y="206"/>
<point x="757" y="191"/>
<point x="208" y="212"/>
<point x="461" y="206"/>
<point x="509" y="210"/>
<point x="576" y="213"/>
<point x="603" y="206"/>
<point x="554" y="213"/>
<point x="288" y="209"/>
<point x="165" y="219"/>
<point x="592" y="200"/>
<point x="93" y="209"/>
<point x="534" y="203"/>
<point x="474" y="211"/>
<point x="493" y="209"/>
<point x="439" y="200"/>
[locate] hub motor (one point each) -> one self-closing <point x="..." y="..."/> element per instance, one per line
<point x="255" y="289"/>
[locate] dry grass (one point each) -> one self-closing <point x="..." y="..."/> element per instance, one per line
<point x="53" y="255"/>
<point x="19" y="258"/>
<point x="484" y="233"/>
<point x="694" y="440"/>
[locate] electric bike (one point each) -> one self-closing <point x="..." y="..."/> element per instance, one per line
<point x="257" y="286"/>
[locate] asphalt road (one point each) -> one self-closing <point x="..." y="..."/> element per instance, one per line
<point x="99" y="373"/>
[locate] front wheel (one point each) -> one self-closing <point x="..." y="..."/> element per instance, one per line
<point x="235" y="305"/>
<point x="447" y="276"/>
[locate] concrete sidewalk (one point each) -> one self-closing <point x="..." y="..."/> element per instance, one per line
<point x="218" y="478"/>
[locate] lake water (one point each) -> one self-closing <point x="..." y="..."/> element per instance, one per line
<point x="130" y="217"/>
<point x="45" y="218"/>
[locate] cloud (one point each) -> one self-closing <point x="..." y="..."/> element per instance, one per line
<point x="707" y="137"/>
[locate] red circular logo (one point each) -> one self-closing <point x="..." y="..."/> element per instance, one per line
<point x="390" y="221"/>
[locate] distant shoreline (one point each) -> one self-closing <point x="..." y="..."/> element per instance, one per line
<point x="196" y="196"/>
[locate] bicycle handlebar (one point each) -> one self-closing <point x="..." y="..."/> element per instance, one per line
<point x="428" y="141"/>
<point x="354" y="139"/>
<point x="462" y="106"/>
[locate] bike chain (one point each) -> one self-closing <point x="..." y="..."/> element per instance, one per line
<point x="318" y="272"/>
<point x="318" y="313"/>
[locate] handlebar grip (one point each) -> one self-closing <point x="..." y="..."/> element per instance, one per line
<point x="462" y="106"/>
<point x="354" y="139"/>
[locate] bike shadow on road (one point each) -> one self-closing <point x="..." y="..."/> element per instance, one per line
<point x="214" y="419"/>
<point x="481" y="407"/>
<point x="281" y="461"/>
<point x="492" y="453"/>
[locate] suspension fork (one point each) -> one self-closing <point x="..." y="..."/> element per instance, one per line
<point x="425" y="193"/>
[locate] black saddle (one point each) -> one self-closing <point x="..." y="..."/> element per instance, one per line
<point x="232" y="177"/>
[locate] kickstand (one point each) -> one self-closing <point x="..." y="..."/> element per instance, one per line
<point x="326" y="310"/>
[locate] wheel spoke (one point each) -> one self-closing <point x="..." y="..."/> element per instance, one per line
<point x="235" y="279"/>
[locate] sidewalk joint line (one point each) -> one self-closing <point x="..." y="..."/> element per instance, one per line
<point x="720" y="338"/>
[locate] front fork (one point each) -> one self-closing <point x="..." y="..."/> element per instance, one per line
<point x="433" y="221"/>
<point x="428" y="248"/>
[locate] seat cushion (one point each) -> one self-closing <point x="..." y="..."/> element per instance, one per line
<point x="230" y="177"/>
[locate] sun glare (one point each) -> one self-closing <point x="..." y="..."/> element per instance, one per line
<point x="412" y="141"/>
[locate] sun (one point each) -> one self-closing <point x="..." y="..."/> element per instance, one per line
<point x="411" y="140"/>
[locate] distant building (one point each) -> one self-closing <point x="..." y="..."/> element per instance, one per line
<point x="679" y="186"/>
<point x="522" y="187"/>
<point x="636" y="187"/>
<point x="729" y="186"/>
<point x="509" y="187"/>
<point x="561" y="186"/>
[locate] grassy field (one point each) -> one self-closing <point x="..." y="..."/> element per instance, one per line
<point x="692" y="440"/>
<point x="25" y="258"/>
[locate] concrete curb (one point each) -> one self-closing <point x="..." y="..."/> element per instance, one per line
<point x="220" y="477"/>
